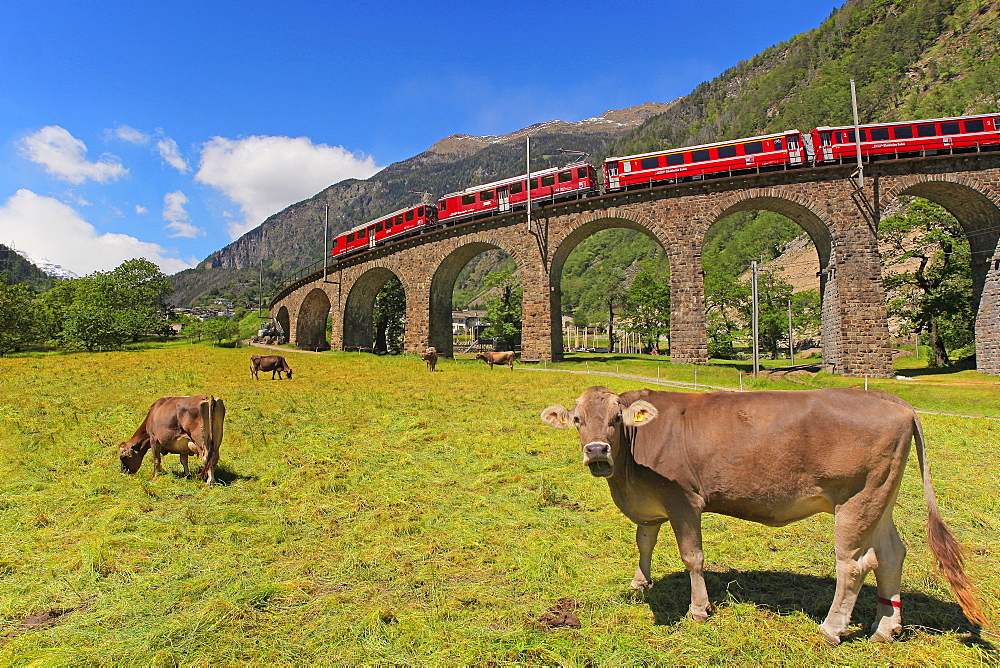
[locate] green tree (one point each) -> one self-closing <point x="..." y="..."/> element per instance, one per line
<point x="503" y="308"/>
<point x="646" y="307"/>
<point x="928" y="278"/>
<point x="219" y="328"/>
<point x="17" y="311"/>
<point x="138" y="290"/>
<point x="389" y="317"/>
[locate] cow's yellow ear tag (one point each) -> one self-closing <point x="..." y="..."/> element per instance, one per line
<point x="639" y="417"/>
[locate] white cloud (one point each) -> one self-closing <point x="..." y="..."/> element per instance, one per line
<point x="45" y="227"/>
<point x="165" y="146"/>
<point x="171" y="154"/>
<point x="64" y="157"/>
<point x="140" y="209"/>
<point x="131" y="135"/>
<point x="178" y="220"/>
<point x="263" y="174"/>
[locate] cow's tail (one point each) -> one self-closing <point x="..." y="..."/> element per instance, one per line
<point x="944" y="546"/>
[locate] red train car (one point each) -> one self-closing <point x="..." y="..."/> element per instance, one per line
<point x="932" y="136"/>
<point x="784" y="149"/>
<point x="374" y="232"/>
<point x="502" y="196"/>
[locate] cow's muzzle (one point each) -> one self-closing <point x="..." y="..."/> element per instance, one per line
<point x="597" y="456"/>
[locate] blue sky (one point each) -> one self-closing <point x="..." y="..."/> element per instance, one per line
<point x="166" y="130"/>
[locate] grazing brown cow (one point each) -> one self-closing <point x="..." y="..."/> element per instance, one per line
<point x="273" y="363"/>
<point x="180" y="425"/>
<point x="431" y="357"/>
<point x="498" y="358"/>
<point x="772" y="457"/>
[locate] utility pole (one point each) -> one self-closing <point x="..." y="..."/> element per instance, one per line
<point x="791" y="343"/>
<point x="756" y="346"/>
<point x="857" y="136"/>
<point x="527" y="180"/>
<point x="326" y="241"/>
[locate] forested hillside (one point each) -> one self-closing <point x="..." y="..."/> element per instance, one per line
<point x="18" y="270"/>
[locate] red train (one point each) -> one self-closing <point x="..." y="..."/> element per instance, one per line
<point x="548" y="185"/>
<point x="783" y="150"/>
<point x="907" y="138"/>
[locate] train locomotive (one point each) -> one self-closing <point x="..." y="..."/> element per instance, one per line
<point x="790" y="149"/>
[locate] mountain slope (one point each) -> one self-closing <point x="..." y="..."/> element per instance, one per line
<point x="909" y="58"/>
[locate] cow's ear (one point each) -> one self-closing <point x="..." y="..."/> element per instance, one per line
<point x="557" y="416"/>
<point x="639" y="414"/>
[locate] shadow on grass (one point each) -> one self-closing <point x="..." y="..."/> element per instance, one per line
<point x="223" y="474"/>
<point x="785" y="593"/>
<point x="964" y="364"/>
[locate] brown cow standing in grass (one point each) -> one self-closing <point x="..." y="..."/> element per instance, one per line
<point x="180" y="425"/>
<point x="772" y="457"/>
<point x="273" y="363"/>
<point x="431" y="357"/>
<point x="498" y="358"/>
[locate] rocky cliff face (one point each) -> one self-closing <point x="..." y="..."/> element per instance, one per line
<point x="293" y="238"/>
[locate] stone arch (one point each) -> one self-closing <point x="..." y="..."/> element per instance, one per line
<point x="311" y="323"/>
<point x="569" y="243"/>
<point x="977" y="209"/>
<point x="360" y="306"/>
<point x="284" y="321"/>
<point x="439" y="333"/>
<point x="819" y="231"/>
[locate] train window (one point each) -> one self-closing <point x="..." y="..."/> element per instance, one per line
<point x="698" y="156"/>
<point x="581" y="173"/>
<point x="409" y="216"/>
<point x="378" y="226"/>
<point x="675" y="159"/>
<point x="548" y="180"/>
<point x="777" y="143"/>
<point x="903" y="132"/>
<point x="926" y="130"/>
<point x="565" y="176"/>
<point x="444" y="205"/>
<point x="487" y="195"/>
<point x="468" y="199"/>
<point x="727" y="151"/>
<point x="974" y="126"/>
<point x="650" y="163"/>
<point x="420" y="212"/>
<point x="349" y="238"/>
<point x="627" y="166"/>
<point x="950" y="128"/>
<point x="793" y="142"/>
<point x="536" y="184"/>
<point x="879" y="134"/>
<point x="849" y="137"/>
<point x="752" y="147"/>
<point x="515" y="188"/>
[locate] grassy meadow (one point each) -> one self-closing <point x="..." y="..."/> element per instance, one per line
<point x="373" y="512"/>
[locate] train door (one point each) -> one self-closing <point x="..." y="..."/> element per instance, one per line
<point x="371" y="237"/>
<point x="503" y="198"/>
<point x="794" y="150"/>
<point x="826" y="148"/>
<point x="613" y="183"/>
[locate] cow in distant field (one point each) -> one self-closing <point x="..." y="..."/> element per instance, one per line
<point x="273" y="363"/>
<point x="771" y="457"/>
<point x="180" y="425"/>
<point x="498" y="358"/>
<point x="431" y="357"/>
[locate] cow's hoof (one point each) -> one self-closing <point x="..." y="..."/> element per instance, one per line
<point x="830" y="639"/>
<point x="641" y="585"/>
<point x="879" y="636"/>
<point x="700" y="617"/>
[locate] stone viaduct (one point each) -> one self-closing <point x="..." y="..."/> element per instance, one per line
<point x="335" y="309"/>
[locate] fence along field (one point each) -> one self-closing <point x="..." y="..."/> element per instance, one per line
<point x="375" y="512"/>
